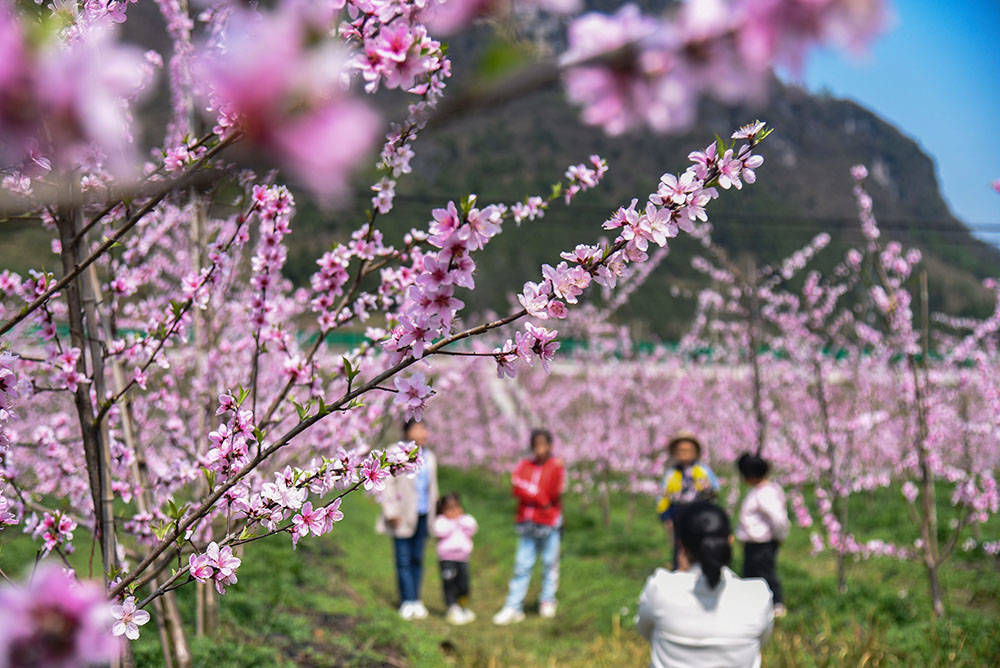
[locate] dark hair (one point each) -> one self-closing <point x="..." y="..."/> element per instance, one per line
<point x="703" y="529"/>
<point x="408" y="425"/>
<point x="752" y="466"/>
<point x="540" y="433"/>
<point x="446" y="499"/>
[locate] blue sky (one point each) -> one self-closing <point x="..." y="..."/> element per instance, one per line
<point x="936" y="76"/>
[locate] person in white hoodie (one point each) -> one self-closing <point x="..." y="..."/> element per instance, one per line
<point x="454" y="531"/>
<point x="763" y="525"/>
<point x="702" y="614"/>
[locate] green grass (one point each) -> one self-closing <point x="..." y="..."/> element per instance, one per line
<point x="331" y="602"/>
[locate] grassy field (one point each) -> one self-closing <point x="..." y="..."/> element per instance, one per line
<point x="330" y="603"/>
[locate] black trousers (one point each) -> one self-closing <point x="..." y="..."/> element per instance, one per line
<point x="760" y="560"/>
<point x="455" y="578"/>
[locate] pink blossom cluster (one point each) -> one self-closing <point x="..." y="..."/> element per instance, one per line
<point x="232" y="440"/>
<point x="869" y="227"/>
<point x="215" y="564"/>
<point x="274" y="207"/>
<point x="430" y="306"/>
<point x="980" y="496"/>
<point x="411" y="394"/>
<point x="627" y="68"/>
<point x="530" y="209"/>
<point x="55" y="620"/>
<point x="55" y="531"/>
<point x="397" y="52"/>
<point x="330" y="281"/>
<point x="128" y="619"/>
<point x="316" y="521"/>
<point x="11" y="390"/>
<point x="268" y="78"/>
<point x="72" y="95"/>
<point x="580" y="178"/>
<point x="677" y="203"/>
<point x="802" y="516"/>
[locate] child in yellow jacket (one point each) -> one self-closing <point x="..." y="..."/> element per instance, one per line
<point x="686" y="481"/>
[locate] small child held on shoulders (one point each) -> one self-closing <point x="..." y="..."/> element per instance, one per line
<point x="454" y="530"/>
<point x="687" y="480"/>
<point x="763" y="525"/>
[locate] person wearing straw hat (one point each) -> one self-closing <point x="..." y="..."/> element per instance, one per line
<point x="687" y="480"/>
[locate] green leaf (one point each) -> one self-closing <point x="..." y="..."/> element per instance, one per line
<point x="302" y="411"/>
<point x="720" y="145"/>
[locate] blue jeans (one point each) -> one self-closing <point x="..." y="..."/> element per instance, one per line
<point x="410" y="562"/>
<point x="531" y="545"/>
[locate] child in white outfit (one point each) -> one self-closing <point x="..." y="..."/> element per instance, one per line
<point x="763" y="525"/>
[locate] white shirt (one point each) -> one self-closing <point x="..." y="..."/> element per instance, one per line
<point x="689" y="624"/>
<point x="763" y="516"/>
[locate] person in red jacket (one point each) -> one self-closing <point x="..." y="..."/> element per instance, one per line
<point x="538" y="485"/>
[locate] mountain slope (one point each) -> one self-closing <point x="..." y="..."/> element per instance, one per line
<point x="803" y="188"/>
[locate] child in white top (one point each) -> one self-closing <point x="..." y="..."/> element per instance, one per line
<point x="763" y="525"/>
<point x="454" y="530"/>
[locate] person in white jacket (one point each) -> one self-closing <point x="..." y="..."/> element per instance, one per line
<point x="702" y="614"/>
<point x="408" y="504"/>
<point x="763" y="525"/>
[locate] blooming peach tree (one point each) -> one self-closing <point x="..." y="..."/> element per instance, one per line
<point x="167" y="391"/>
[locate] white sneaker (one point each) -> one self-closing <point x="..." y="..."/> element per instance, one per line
<point x="469" y="615"/>
<point x="419" y="611"/>
<point x="406" y="610"/>
<point x="457" y="616"/>
<point x="508" y="616"/>
<point x="547" y="609"/>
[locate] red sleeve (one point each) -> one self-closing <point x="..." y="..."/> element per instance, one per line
<point x="524" y="490"/>
<point x="556" y="483"/>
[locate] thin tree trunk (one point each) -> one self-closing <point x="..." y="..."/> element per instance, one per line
<point x="839" y="501"/>
<point x="841" y="561"/>
<point x="176" y="651"/>
<point x="95" y="452"/>
<point x="758" y="408"/>
<point x="161" y="629"/>
<point x="206" y="603"/>
<point x="81" y="313"/>
<point x="207" y="608"/>
<point x="929" y="523"/>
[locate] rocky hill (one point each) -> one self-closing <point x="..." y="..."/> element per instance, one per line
<point x="803" y="188"/>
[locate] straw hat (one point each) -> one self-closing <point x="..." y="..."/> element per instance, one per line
<point x="684" y="436"/>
